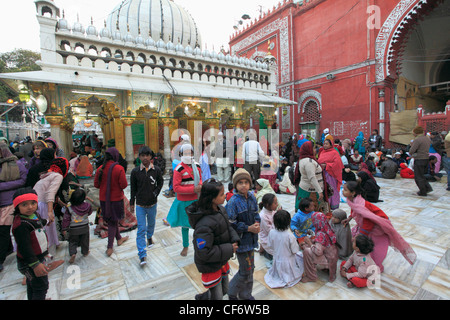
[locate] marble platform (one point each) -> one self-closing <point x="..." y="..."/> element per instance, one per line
<point x="423" y="221"/>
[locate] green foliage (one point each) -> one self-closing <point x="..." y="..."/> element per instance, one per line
<point x="18" y="60"/>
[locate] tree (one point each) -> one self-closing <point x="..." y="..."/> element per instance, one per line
<point x="18" y="60"/>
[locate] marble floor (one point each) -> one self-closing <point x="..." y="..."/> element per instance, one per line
<point x="423" y="222"/>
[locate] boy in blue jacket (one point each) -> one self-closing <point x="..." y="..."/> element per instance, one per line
<point x="242" y="210"/>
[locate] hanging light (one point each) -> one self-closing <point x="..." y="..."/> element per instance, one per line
<point x="41" y="103"/>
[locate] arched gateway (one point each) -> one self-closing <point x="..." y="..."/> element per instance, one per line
<point x="142" y="76"/>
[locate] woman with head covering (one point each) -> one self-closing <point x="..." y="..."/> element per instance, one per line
<point x="331" y="163"/>
<point x="262" y="188"/>
<point x="308" y="175"/>
<point x="110" y="178"/>
<point x="47" y="189"/>
<point x="187" y="184"/>
<point x="46" y="156"/>
<point x="322" y="251"/>
<point x="53" y="144"/>
<point x="286" y="185"/>
<point x="371" y="190"/>
<point x="38" y="146"/>
<point x="360" y="144"/>
<point x="84" y="169"/>
<point x="343" y="233"/>
<point x="13" y="175"/>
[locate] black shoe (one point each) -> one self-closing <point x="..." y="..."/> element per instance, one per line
<point x="150" y="243"/>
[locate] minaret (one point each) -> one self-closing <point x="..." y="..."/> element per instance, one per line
<point x="47" y="14"/>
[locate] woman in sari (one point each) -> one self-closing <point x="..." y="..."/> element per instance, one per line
<point x="331" y="163"/>
<point x="374" y="223"/>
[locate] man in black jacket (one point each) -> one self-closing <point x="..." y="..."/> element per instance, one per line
<point x="146" y="182"/>
<point x="375" y="141"/>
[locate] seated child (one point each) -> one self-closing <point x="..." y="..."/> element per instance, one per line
<point x="76" y="221"/>
<point x="406" y="172"/>
<point x="320" y="252"/>
<point x="286" y="270"/>
<point x="301" y="223"/>
<point x="268" y="207"/>
<point x="358" y="267"/>
<point x="343" y="233"/>
<point x="230" y="192"/>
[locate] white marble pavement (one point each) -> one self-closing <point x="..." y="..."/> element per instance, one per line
<point x="423" y="222"/>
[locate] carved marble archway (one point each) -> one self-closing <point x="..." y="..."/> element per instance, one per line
<point x="390" y="41"/>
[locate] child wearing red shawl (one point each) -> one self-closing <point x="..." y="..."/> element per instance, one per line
<point x="322" y="252"/>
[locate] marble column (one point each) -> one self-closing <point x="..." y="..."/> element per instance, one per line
<point x="167" y="151"/>
<point x="129" y="151"/>
<point x="55" y="128"/>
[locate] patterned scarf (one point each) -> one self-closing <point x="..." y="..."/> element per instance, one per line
<point x="60" y="165"/>
<point x="324" y="233"/>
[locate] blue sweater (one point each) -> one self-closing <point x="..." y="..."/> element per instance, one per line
<point x="243" y="212"/>
<point x="302" y="222"/>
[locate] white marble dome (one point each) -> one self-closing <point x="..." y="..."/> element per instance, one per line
<point x="162" y="19"/>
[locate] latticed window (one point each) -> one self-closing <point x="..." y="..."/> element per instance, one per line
<point x="435" y="125"/>
<point x="311" y="113"/>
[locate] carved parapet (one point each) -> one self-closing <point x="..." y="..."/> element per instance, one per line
<point x="166" y="122"/>
<point x="54" y="120"/>
<point x="127" y="121"/>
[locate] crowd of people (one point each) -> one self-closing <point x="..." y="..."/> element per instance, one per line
<point x="43" y="202"/>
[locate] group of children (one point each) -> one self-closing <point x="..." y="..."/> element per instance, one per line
<point x="32" y="242"/>
<point x="296" y="246"/>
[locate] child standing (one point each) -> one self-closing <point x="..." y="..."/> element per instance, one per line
<point x="76" y="221"/>
<point x="32" y="244"/>
<point x="301" y="223"/>
<point x="343" y="233"/>
<point x="215" y="241"/>
<point x="322" y="252"/>
<point x="242" y="210"/>
<point x="285" y="270"/>
<point x="268" y="207"/>
<point x="358" y="267"/>
<point x="187" y="184"/>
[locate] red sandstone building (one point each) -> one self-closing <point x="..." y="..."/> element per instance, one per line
<point x="356" y="65"/>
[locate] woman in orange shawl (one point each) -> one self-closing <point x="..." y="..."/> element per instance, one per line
<point x="84" y="168"/>
<point x="331" y="162"/>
